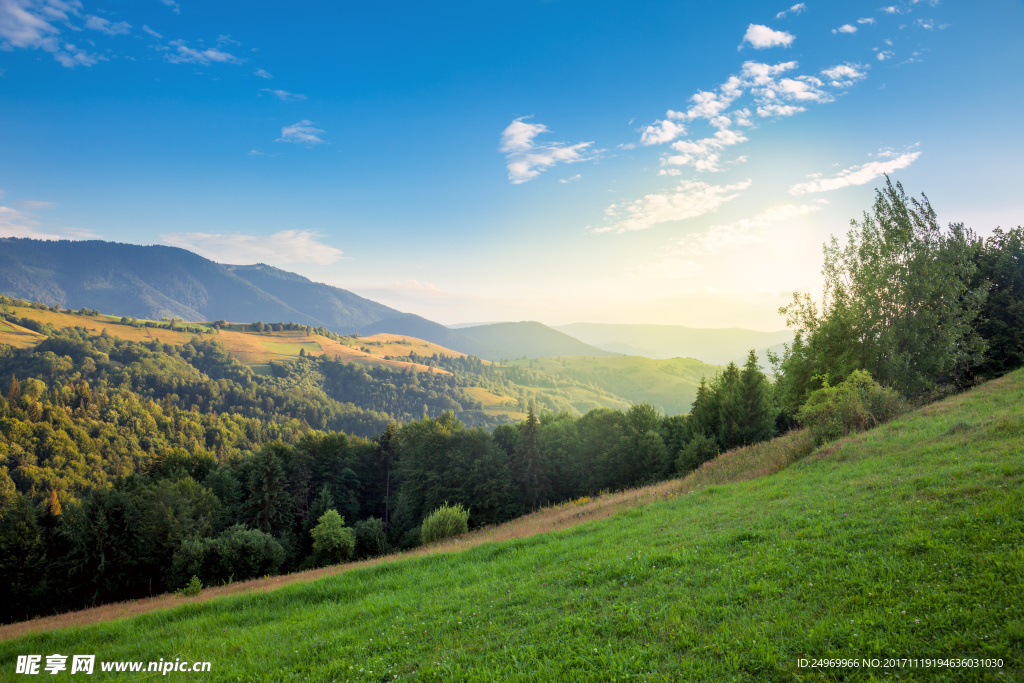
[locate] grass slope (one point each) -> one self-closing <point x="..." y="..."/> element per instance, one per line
<point x="669" y="385"/>
<point x="903" y="542"/>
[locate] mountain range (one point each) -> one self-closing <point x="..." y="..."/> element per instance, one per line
<point x="155" y="282"/>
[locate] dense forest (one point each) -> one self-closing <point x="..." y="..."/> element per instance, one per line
<point x="132" y="468"/>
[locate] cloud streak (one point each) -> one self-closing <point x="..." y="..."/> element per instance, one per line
<point x="303" y="132"/>
<point x="855" y="175"/>
<point x="286" y="246"/>
<point x="689" y="199"/>
<point x="284" y="95"/>
<point x="29" y="24"/>
<point x="527" y="158"/>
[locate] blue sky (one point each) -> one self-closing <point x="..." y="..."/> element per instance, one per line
<point x="562" y="160"/>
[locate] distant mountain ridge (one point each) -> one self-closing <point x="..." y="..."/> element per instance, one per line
<point x="160" y="281"/>
<point x="717" y="346"/>
<point x="496" y="341"/>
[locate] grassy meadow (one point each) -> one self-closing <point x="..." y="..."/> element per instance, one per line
<point x="902" y="542"/>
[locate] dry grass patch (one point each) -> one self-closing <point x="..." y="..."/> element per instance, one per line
<point x="95" y="325"/>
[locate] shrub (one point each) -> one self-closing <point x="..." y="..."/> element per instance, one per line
<point x="333" y="542"/>
<point x="371" y="539"/>
<point x="194" y="587"/>
<point x="698" y="451"/>
<point x="856" y="404"/>
<point x="239" y="553"/>
<point x="444" y="522"/>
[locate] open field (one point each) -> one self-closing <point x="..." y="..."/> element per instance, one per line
<point x="384" y="344"/>
<point x="902" y="542"/>
<point x="95" y="324"/>
<point x="17" y="336"/>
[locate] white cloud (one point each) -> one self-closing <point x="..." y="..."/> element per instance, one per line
<point x="183" y="54"/>
<point x="761" y="37"/>
<point x="151" y="32"/>
<point x="287" y="246"/>
<point x="262" y="74"/>
<point x="845" y="28"/>
<point x="855" y="175"/>
<point x="661" y="131"/>
<point x="866" y="20"/>
<point x="719" y="238"/>
<point x="779" y="110"/>
<point x="890" y="9"/>
<point x="844" y="75"/>
<point x="703" y="154"/>
<point x="526" y="158"/>
<point x="284" y="95"/>
<point x="795" y="9"/>
<point x="688" y="199"/>
<point x="105" y="25"/>
<point x="884" y="55"/>
<point x="304" y="132"/>
<point x="173" y="5"/>
<point x="569" y="179"/>
<point x="27" y="24"/>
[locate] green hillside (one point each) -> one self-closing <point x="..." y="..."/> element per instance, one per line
<point x="900" y="543"/>
<point x="669" y="385"/>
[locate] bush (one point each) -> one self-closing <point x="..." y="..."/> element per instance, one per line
<point x="698" y="451"/>
<point x="371" y="539"/>
<point x="444" y="522"/>
<point x="239" y="553"/>
<point x="856" y="404"/>
<point x="194" y="587"/>
<point x="333" y="542"/>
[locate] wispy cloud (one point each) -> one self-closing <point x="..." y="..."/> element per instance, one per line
<point x="263" y="74"/>
<point x="845" y="28"/>
<point x="284" y="95"/>
<point x="689" y="199"/>
<point x="527" y="158"/>
<point x="569" y="179"/>
<point x="151" y="32"/>
<point x="761" y="37"/>
<point x="183" y="54"/>
<point x="844" y="75"/>
<point x="304" y="133"/>
<point x="795" y="9"/>
<point x="33" y="204"/>
<point x="106" y="26"/>
<point x="866" y="20"/>
<point x="173" y="5"/>
<point x="855" y="175"/>
<point x="15" y="223"/>
<point x="287" y="246"/>
<point x="29" y="24"/>
<point x="719" y="238"/>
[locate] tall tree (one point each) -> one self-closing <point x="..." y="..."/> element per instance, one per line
<point x="269" y="504"/>
<point x="898" y="302"/>
<point x="1000" y="261"/>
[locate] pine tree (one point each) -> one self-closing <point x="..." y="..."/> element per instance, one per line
<point x="14" y="391"/>
<point x="758" y="407"/>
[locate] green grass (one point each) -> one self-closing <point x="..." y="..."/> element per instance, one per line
<point x="901" y="542"/>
